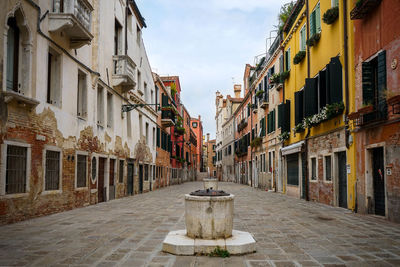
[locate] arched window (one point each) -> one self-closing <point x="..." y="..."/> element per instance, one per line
<point x="18" y="46"/>
<point x="12" y="54"/>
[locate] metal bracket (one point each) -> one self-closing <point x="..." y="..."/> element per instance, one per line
<point x="129" y="107"/>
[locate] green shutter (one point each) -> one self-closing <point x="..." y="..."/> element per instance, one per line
<point x="281" y="114"/>
<point x="312" y="23"/>
<point x="368" y="93"/>
<point x="286" y="120"/>
<point x="158" y="137"/>
<point x="336" y="81"/>
<point x="273" y="120"/>
<point x="298" y="107"/>
<point x="303" y="39"/>
<point x="310" y="97"/>
<point x="281" y="63"/>
<point x="381" y="75"/>
<point x="335" y="3"/>
<point x="269" y="122"/>
<point x="318" y="18"/>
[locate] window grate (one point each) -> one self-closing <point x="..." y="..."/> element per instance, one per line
<point x="81" y="171"/>
<point x="16" y="169"/>
<point x="52" y="179"/>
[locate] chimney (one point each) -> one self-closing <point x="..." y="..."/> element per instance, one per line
<point x="237" y="88"/>
<point x="208" y="137"/>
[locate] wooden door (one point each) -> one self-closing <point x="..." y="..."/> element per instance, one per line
<point x="379" y="181"/>
<point x="100" y="187"/>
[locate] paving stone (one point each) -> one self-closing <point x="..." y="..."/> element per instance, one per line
<point x="130" y="231"/>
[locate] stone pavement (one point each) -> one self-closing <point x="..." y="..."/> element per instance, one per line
<point x="130" y="231"/>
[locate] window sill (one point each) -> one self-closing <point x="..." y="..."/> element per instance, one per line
<point x="81" y="118"/>
<point x="51" y="192"/>
<point x="17" y="195"/>
<point x="314" y="181"/>
<point x="11" y="96"/>
<point x="81" y="188"/>
<point x="327" y="182"/>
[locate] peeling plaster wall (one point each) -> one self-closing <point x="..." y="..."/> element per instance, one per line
<point x="58" y="126"/>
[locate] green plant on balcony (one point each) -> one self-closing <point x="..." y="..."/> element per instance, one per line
<point x="332" y="110"/>
<point x="299" y="128"/>
<point x="259" y="65"/>
<point x="299" y="57"/>
<point x="331" y="15"/>
<point x="173" y="89"/>
<point x="180" y="130"/>
<point x="313" y="40"/>
<point x="283" y="136"/>
<point x="275" y="78"/>
<point x="260" y="94"/>
<point x="284" y="75"/>
<point x="256" y="142"/>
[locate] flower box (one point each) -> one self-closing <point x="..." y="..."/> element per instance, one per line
<point x="299" y="57"/>
<point x="393" y="100"/>
<point x="363" y="8"/>
<point x="331" y="15"/>
<point x="313" y="40"/>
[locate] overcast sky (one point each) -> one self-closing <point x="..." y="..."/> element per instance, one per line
<point x="207" y="44"/>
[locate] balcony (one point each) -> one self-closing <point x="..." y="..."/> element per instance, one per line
<point x="167" y="118"/>
<point x="363" y="7"/>
<point x="74" y="19"/>
<point x="124" y="72"/>
<point x="370" y="115"/>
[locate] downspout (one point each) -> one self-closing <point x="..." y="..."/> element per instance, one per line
<point x="126" y="27"/>
<point x="307" y="185"/>
<point x="346" y="72"/>
<point x="251" y="150"/>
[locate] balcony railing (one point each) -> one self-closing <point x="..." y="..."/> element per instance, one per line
<point x="124" y="72"/>
<point x="74" y="17"/>
<point x="167" y="118"/>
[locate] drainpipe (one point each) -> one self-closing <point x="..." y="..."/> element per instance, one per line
<point x="346" y="72"/>
<point x="126" y="27"/>
<point x="251" y="150"/>
<point x="307" y="185"/>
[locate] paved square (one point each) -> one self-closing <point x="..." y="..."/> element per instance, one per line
<point x="130" y="231"/>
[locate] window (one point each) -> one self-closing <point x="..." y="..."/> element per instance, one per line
<point x="13" y="40"/>
<point x="146" y="172"/>
<point x="158" y="137"/>
<point x="52" y="173"/>
<point x="156" y="98"/>
<point x="111" y="176"/>
<point x="194" y="124"/>
<point x="94" y="169"/>
<point x="313" y="169"/>
<point x="292" y="163"/>
<point x="82" y="94"/>
<point x="287" y="59"/>
<point x="147" y="133"/>
<point x="139" y="82"/>
<point x="374" y="81"/>
<point x="138" y="35"/>
<point x="269" y="162"/>
<point x="109" y="110"/>
<point x="334" y="3"/>
<point x="328" y="168"/>
<point x="140" y="126"/>
<point x="16" y="169"/>
<point x="130" y="23"/>
<point x="81" y="171"/>
<point x="315" y="21"/>
<point x="154" y="137"/>
<point x="129" y="124"/>
<point x="117" y="38"/>
<point x="121" y="171"/>
<point x="53" y="78"/>
<point x="146" y="96"/>
<point x="100" y="105"/>
<point x="303" y="38"/>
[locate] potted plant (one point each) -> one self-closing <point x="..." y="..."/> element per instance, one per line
<point x="363" y="7"/>
<point x="313" y="40"/>
<point x="284" y="75"/>
<point x="275" y="78"/>
<point x="256" y="142"/>
<point x="366" y="108"/>
<point x="299" y="128"/>
<point x="260" y="94"/>
<point x="299" y="57"/>
<point x="283" y="136"/>
<point x="331" y="15"/>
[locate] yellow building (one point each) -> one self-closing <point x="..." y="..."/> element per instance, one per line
<point x="318" y="153"/>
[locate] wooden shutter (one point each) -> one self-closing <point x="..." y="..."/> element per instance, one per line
<point x="273" y="116"/>
<point x="281" y="114"/>
<point x="381" y="75"/>
<point x="298" y="107"/>
<point x="158" y="137"/>
<point x="286" y="120"/>
<point x="368" y="93"/>
<point x="281" y="63"/>
<point x="335" y="80"/>
<point x="310" y="97"/>
<point x="318" y="18"/>
<point x="312" y="23"/>
<point x="322" y="88"/>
